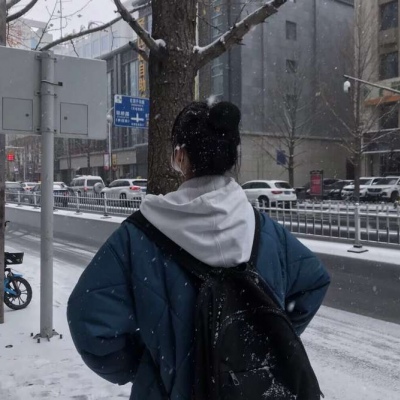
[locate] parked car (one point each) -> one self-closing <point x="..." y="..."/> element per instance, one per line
<point x="83" y="185"/>
<point x="335" y="192"/>
<point x="270" y="193"/>
<point x="126" y="189"/>
<point x="303" y="192"/>
<point x="387" y="189"/>
<point x="60" y="192"/>
<point x="12" y="190"/>
<point x="28" y="186"/>
<point x="365" y="183"/>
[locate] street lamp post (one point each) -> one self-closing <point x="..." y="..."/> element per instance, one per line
<point x="19" y="148"/>
<point x="347" y="84"/>
<point x="110" y="120"/>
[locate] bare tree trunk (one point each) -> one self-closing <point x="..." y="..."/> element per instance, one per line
<point x="357" y="174"/>
<point x="291" y="166"/>
<point x="171" y="86"/>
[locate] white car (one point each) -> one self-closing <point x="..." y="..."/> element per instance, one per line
<point x="270" y="193"/>
<point x="84" y="185"/>
<point x="386" y="189"/>
<point x="126" y="189"/>
<point x="365" y="183"/>
<point x="28" y="186"/>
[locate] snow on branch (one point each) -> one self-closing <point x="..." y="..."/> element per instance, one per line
<point x="11" y="3"/>
<point x="236" y="32"/>
<point x="21" y="12"/>
<point x="148" y="40"/>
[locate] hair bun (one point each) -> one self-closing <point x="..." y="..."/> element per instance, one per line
<point x="224" y="117"/>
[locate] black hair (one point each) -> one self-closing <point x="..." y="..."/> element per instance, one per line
<point x="211" y="136"/>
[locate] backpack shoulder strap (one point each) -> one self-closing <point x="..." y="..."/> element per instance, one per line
<point x="256" y="242"/>
<point x="169" y="247"/>
<point x="191" y="264"/>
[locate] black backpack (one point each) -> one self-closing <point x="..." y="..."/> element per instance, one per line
<point x="245" y="345"/>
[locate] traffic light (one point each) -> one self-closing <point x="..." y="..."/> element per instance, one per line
<point x="10" y="157"/>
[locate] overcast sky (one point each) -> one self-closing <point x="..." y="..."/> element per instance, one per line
<point x="86" y="11"/>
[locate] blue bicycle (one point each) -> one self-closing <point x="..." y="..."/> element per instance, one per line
<point x="17" y="290"/>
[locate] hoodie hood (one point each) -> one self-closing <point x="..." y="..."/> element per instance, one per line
<point x="209" y="217"/>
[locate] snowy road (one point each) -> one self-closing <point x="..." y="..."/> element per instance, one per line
<point x="355" y="357"/>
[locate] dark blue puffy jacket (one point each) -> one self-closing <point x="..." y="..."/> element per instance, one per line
<point x="131" y="313"/>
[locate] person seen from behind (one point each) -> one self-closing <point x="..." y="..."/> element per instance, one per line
<point x="132" y="312"/>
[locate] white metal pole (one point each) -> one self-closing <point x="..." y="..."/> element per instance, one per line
<point x="24" y="164"/>
<point x="47" y="172"/>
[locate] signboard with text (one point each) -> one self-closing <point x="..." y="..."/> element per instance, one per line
<point x="316" y="183"/>
<point x="131" y="112"/>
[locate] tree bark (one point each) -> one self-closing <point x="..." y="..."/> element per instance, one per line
<point x="172" y="80"/>
<point x="291" y="166"/>
<point x="357" y="174"/>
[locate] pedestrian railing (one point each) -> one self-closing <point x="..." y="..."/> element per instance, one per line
<point x="357" y="223"/>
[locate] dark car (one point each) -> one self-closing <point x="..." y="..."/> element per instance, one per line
<point x="303" y="192"/>
<point x="60" y="192"/>
<point x="336" y="189"/>
<point x="12" y="190"/>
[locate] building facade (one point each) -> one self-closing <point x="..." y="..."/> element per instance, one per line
<point x="284" y="65"/>
<point x="281" y="72"/>
<point x="126" y="75"/>
<point x="383" y="156"/>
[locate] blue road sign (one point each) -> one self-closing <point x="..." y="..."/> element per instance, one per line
<point x="131" y="112"/>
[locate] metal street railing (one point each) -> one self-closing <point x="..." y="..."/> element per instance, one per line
<point x="357" y="223"/>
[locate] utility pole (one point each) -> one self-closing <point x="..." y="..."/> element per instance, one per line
<point x="3" y="33"/>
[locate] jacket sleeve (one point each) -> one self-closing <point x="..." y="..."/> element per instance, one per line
<point x="102" y="318"/>
<point x="307" y="282"/>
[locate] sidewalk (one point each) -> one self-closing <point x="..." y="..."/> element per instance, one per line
<point x="354" y="357"/>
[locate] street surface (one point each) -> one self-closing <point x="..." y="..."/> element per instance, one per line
<point x="354" y="357"/>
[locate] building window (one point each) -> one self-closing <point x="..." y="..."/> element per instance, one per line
<point x="130" y="79"/>
<point x="291" y="66"/>
<point x="104" y="44"/>
<point x="389" y="116"/>
<point x="86" y="51"/>
<point x="96" y="48"/>
<point x="150" y="23"/>
<point x="114" y="40"/>
<point x="291" y="30"/>
<point x="389" y="65"/>
<point x="34" y="43"/>
<point x="389" y="15"/>
<point x="217" y="68"/>
<point x="133" y="81"/>
<point x="217" y="19"/>
<point x="217" y="78"/>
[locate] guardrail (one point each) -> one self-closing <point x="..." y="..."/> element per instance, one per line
<point x="355" y="222"/>
<point x="92" y="203"/>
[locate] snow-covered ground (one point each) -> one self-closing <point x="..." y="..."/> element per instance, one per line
<point x="354" y="357"/>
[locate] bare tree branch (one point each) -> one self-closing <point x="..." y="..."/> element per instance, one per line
<point x="148" y="40"/>
<point x="236" y="33"/>
<point x="141" y="52"/>
<point x="21" y="12"/>
<point x="73" y="46"/>
<point x="11" y="3"/>
<point x="77" y="35"/>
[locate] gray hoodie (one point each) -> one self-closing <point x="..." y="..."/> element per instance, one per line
<point x="209" y="217"/>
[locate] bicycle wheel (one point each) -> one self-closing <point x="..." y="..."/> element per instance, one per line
<point x="24" y="294"/>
